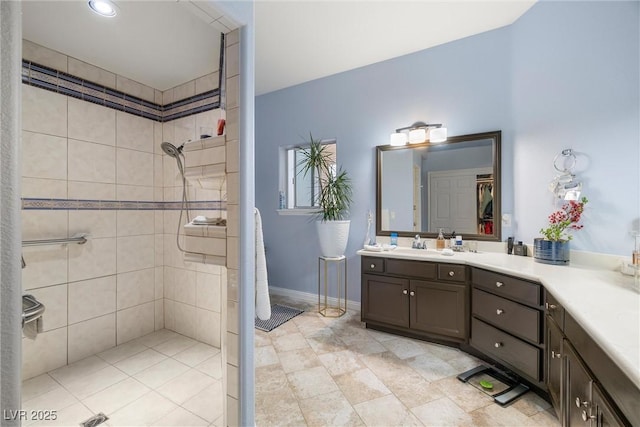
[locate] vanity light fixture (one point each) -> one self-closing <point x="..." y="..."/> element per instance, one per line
<point x="419" y="132"/>
<point x="104" y="8"/>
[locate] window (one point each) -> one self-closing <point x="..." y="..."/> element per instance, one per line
<point x="298" y="190"/>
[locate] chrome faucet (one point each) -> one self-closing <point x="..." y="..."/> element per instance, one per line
<point x="417" y="244"/>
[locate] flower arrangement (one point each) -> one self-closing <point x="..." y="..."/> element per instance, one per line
<point x="564" y="219"/>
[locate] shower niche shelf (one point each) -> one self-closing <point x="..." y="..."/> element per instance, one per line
<point x="205" y="161"/>
<point x="206" y="244"/>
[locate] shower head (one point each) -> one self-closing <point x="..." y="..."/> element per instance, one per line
<point x="171" y="149"/>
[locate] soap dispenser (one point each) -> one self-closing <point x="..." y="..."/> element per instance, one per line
<point x="440" y="241"/>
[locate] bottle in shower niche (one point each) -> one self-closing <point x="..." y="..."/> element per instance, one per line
<point x="440" y="241"/>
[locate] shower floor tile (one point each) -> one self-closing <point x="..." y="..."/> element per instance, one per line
<point x="163" y="379"/>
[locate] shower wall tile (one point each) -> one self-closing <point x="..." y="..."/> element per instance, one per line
<point x="97" y="223"/>
<point x="185" y="319"/>
<point x="169" y="314"/>
<point x="233" y="153"/>
<point x="233" y="252"/>
<point x="44" y="56"/>
<point x="93" y="298"/>
<point x="158" y="222"/>
<point x="157" y="97"/>
<point x="208" y="291"/>
<point x="233" y="188"/>
<point x="233" y="381"/>
<point x="54" y="299"/>
<point x="232" y="124"/>
<point x="232" y="285"/>
<point x="91" y="122"/>
<point x="135" y="322"/>
<point x="157" y="137"/>
<point x="232" y="60"/>
<point x="134" y="168"/>
<point x="53" y="344"/>
<point x="233" y="345"/>
<point x="133" y="132"/>
<point x="44" y="224"/>
<point x="208" y="327"/>
<point x="135" y="288"/>
<point x="158" y="194"/>
<point x="159" y="314"/>
<point x="168" y="133"/>
<point x="184" y="285"/>
<point x="44" y="188"/>
<point x="185" y="130"/>
<point x="135" y="193"/>
<point x="233" y="89"/>
<point x="91" y="337"/>
<point x="185" y="90"/>
<point x="46" y="266"/>
<point x="95" y="258"/>
<point x="159" y="282"/>
<point x="232" y="316"/>
<point x="132" y="223"/>
<point x="159" y="250"/>
<point x="135" y="253"/>
<point x="207" y="82"/>
<point x="44" y="111"/>
<point x="44" y="156"/>
<point x="167" y="96"/>
<point x="233" y="216"/>
<point x="134" y="88"/>
<point x="91" y="191"/>
<point x="92" y="73"/>
<point x="91" y="162"/>
<point x="158" y="178"/>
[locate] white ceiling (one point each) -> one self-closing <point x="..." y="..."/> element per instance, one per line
<point x="166" y="43"/>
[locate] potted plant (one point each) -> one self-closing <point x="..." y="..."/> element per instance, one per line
<point x="554" y="247"/>
<point x="333" y="197"/>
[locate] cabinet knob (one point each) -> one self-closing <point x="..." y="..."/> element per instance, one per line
<point x="550" y="307"/>
<point x="586" y="417"/>
<point x="499" y="311"/>
<point x="555" y="355"/>
<point x="581" y="403"/>
<point x="412" y="293"/>
<point x="498" y="345"/>
<point x="499" y="284"/>
<point x="451" y="274"/>
<point x="373" y="266"/>
<point x="404" y="292"/>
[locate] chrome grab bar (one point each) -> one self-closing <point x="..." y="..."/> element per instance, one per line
<point x="32" y="309"/>
<point x="80" y="239"/>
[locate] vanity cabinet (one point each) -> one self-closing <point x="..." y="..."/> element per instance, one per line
<point x="418" y="298"/>
<point x="507" y="322"/>
<point x="585" y="386"/>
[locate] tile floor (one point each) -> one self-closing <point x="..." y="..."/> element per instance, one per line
<point x="317" y="371"/>
<point x="161" y="379"/>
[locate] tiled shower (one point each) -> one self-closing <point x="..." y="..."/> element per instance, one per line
<point x="90" y="168"/>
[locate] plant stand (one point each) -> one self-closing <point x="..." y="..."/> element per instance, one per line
<point x="332" y="306"/>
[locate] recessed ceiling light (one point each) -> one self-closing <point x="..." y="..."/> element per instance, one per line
<point x="103" y="8"/>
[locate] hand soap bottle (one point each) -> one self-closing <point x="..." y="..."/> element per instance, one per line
<point x="440" y="241"/>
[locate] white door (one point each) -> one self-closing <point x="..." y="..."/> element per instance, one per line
<point x="453" y="200"/>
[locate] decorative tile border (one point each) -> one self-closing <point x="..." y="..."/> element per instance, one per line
<point x="79" y="204"/>
<point x="66" y="84"/>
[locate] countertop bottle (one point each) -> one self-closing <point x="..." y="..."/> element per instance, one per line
<point x="440" y="241"/>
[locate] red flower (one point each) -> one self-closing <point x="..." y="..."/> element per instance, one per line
<point x="567" y="217"/>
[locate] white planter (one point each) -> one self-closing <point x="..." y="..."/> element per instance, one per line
<point x="333" y="237"/>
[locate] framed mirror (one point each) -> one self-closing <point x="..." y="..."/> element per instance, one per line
<point x="453" y="186"/>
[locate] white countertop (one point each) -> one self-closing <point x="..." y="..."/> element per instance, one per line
<point x="604" y="302"/>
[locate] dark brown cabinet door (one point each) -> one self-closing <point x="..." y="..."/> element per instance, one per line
<point x="439" y="308"/>
<point x="579" y="403"/>
<point x="606" y="416"/>
<point x="554" y="361"/>
<point x="385" y="300"/>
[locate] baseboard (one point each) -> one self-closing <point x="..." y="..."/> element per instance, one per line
<point x="309" y="298"/>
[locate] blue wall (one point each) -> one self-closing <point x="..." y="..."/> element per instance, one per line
<point x="556" y="78"/>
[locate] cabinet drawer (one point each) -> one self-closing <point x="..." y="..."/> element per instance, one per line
<point x="508" y="315"/>
<point x="419" y="269"/>
<point x="503" y="347"/>
<point x="452" y="272"/>
<point x="554" y="310"/>
<point x="372" y="264"/>
<point x="507" y="286"/>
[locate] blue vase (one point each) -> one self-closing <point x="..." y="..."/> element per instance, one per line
<point x="551" y="252"/>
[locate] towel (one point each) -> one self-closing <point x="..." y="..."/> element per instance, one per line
<point x="31" y="329"/>
<point x="263" y="304"/>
